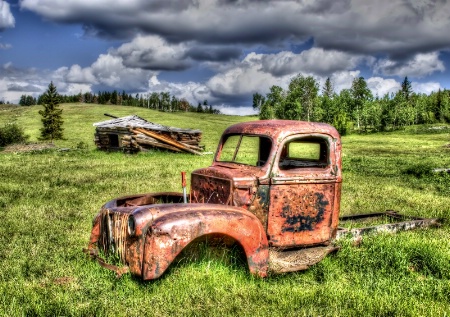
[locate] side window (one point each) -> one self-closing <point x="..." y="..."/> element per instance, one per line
<point x="246" y="149"/>
<point x="304" y="152"/>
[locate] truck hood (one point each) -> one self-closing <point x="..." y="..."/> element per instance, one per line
<point x="224" y="184"/>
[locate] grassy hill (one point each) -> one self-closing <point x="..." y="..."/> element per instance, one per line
<point x="49" y="198"/>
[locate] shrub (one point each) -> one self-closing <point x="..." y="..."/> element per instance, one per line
<point x="12" y="133"/>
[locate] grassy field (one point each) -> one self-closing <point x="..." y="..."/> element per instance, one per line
<point x="49" y="198"/>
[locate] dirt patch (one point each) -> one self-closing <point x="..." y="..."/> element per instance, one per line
<point x="19" y="148"/>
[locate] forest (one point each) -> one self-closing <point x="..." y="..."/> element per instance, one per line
<point x="161" y="101"/>
<point x="354" y="109"/>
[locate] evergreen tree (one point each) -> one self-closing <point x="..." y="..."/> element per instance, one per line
<point x="327" y="90"/>
<point x="51" y="115"/>
<point x="406" y="89"/>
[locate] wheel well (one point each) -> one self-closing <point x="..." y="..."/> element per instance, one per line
<point x="220" y="248"/>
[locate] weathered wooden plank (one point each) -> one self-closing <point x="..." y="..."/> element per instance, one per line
<point x="143" y="142"/>
<point x="167" y="140"/>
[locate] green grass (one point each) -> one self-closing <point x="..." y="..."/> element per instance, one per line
<point x="48" y="200"/>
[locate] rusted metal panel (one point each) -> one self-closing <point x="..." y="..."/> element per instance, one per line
<point x="171" y="233"/>
<point x="300" y="214"/>
<point x="148" y="238"/>
<point x="208" y="189"/>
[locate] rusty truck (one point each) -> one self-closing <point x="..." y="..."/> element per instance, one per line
<point x="274" y="188"/>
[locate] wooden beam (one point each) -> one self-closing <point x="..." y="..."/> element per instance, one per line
<point x="166" y="140"/>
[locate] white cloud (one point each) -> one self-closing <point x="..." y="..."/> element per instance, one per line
<point x="343" y="80"/>
<point x="419" y="65"/>
<point x="380" y="86"/>
<point x="425" y="88"/>
<point x="258" y="72"/>
<point x="152" y="52"/>
<point x="76" y="74"/>
<point x="6" y="18"/>
<point x="245" y="77"/>
<point x="109" y="70"/>
<point x="315" y="61"/>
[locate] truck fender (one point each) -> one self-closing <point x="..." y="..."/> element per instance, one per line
<point x="171" y="233"/>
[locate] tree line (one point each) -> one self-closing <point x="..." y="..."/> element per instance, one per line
<point x="162" y="101"/>
<point x="355" y="108"/>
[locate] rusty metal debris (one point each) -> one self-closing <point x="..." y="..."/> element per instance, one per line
<point x="395" y="222"/>
<point x="274" y="188"/>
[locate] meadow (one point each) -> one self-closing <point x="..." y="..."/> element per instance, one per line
<point x="48" y="199"/>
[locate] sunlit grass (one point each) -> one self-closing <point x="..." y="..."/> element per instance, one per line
<point x="48" y="200"/>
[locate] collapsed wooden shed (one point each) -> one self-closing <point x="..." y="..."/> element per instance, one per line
<point x="132" y="134"/>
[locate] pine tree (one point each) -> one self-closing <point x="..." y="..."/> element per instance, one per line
<point x="51" y="115"/>
<point x="406" y="89"/>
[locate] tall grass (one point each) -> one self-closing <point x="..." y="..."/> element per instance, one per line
<point x="48" y="200"/>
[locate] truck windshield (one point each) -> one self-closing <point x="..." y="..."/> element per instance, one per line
<point x="245" y="149"/>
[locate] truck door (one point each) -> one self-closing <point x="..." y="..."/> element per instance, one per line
<point x="305" y="191"/>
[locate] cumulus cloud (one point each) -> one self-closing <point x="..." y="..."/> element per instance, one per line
<point x="152" y="52"/>
<point x="258" y="72"/>
<point x="380" y="86"/>
<point x="425" y="88"/>
<point x="76" y="74"/>
<point x="315" y="61"/>
<point x="108" y="70"/>
<point x="343" y="79"/>
<point x="419" y="65"/>
<point x="244" y="78"/>
<point x="6" y="18"/>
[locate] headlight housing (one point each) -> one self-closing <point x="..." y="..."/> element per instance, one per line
<point x="131" y="226"/>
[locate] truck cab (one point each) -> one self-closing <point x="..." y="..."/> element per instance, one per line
<point x="287" y="173"/>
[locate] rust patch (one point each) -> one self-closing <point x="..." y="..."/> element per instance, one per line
<point x="312" y="208"/>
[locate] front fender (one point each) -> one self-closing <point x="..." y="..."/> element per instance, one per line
<point x="170" y="233"/>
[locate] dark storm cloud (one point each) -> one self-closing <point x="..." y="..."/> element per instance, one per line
<point x="23" y="88"/>
<point x="213" y="54"/>
<point x="397" y="28"/>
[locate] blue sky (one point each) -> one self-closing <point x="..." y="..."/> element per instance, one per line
<point x="220" y="50"/>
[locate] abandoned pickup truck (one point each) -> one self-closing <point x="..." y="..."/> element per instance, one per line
<point x="273" y="188"/>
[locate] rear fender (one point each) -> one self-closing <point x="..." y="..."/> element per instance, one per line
<point x="171" y="233"/>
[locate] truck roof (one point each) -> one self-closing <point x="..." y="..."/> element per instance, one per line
<point x="281" y="128"/>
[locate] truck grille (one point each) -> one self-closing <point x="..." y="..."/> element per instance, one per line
<point x="113" y="238"/>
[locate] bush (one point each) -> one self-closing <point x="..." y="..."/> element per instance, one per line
<point x="12" y="133"/>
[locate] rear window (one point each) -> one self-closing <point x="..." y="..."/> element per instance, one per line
<point x="304" y="152"/>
